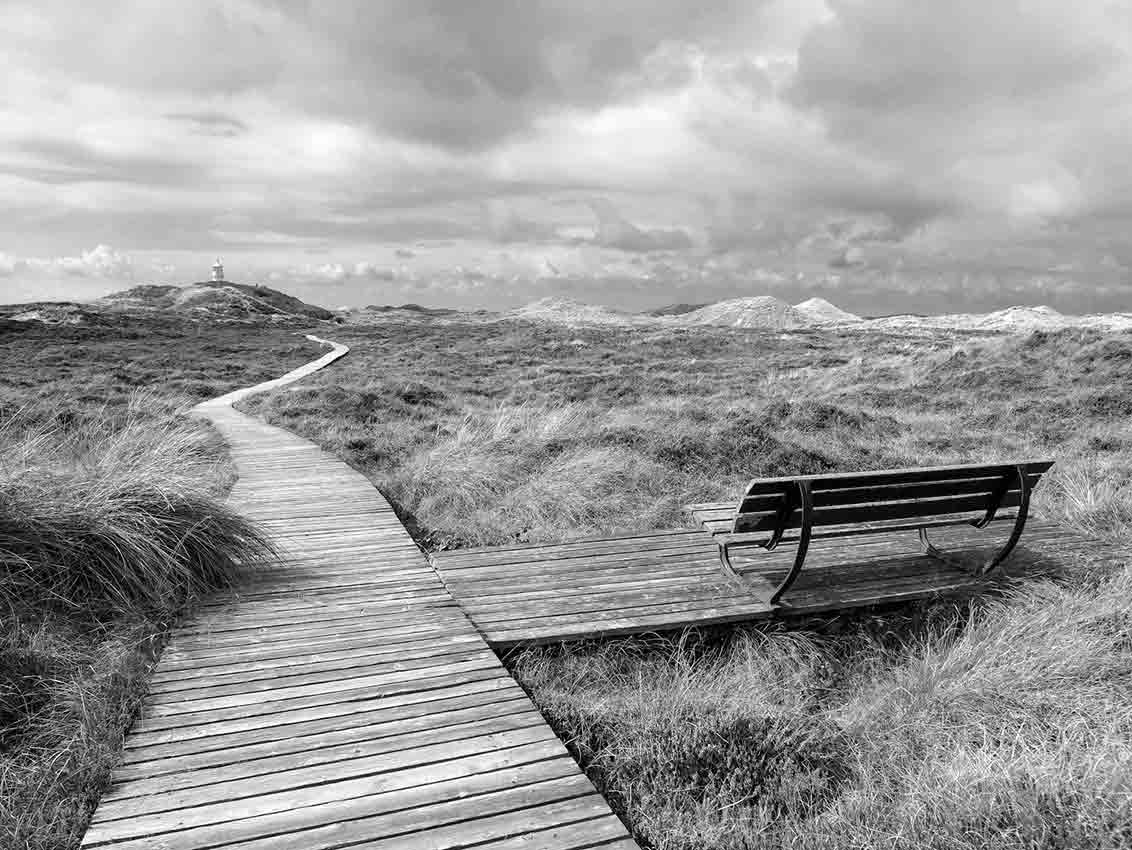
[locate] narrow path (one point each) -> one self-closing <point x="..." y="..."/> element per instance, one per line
<point x="342" y="698"/>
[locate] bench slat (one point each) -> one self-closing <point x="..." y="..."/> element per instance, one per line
<point x="723" y="534"/>
<point x="900" y="491"/>
<point x="878" y="512"/>
<point x="838" y="480"/>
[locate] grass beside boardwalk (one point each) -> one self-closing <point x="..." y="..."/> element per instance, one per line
<point x="111" y="521"/>
<point x="997" y="722"/>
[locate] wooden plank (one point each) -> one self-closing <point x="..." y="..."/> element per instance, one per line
<point x="439" y="644"/>
<point x="427" y="636"/>
<point x="493" y="551"/>
<point x="379" y="617"/>
<point x="709" y="575"/>
<point x="624" y="558"/>
<point x="386" y="634"/>
<point x="448" y="825"/>
<point x="681" y="541"/>
<point x="266" y="725"/>
<point x="604" y="833"/>
<point x="898" y="491"/>
<point x="623" y="603"/>
<point x="745" y="523"/>
<point x="915" y="474"/>
<point x="314" y="672"/>
<point x="159" y="707"/>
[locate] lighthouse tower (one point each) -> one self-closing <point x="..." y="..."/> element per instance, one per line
<point x="217" y="271"/>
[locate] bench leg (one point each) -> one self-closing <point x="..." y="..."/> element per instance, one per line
<point x="806" y="504"/>
<point x="1015" y="534"/>
<point x="725" y="559"/>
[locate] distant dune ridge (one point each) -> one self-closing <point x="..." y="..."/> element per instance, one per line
<point x="774" y="314"/>
<point x="760" y="311"/>
<point x="1010" y="319"/>
<point x="823" y="312"/>
<point x="570" y="312"/>
<point x="223" y="301"/>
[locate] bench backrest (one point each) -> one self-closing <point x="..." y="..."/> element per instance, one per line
<point x="875" y="497"/>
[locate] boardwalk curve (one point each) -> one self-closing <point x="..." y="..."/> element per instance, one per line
<point x="341" y="698"/>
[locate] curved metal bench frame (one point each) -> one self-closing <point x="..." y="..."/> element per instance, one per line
<point x="1017" y="475"/>
<point x="799" y="496"/>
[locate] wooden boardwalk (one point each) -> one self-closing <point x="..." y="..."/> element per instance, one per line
<point x="672" y="579"/>
<point x="340" y="699"/>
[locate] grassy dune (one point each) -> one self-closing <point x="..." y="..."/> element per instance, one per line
<point x="996" y="722"/>
<point x="111" y="523"/>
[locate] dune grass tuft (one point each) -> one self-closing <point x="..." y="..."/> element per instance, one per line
<point x="116" y="520"/>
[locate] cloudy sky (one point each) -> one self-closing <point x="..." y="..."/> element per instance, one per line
<point x="887" y="154"/>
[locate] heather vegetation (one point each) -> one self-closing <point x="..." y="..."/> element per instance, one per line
<point x="111" y="523"/>
<point x="1004" y="720"/>
<point x="65" y="373"/>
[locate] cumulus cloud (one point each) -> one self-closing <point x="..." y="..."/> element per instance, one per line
<point x="616" y="231"/>
<point x="374" y="271"/>
<point x="9" y="265"/>
<point x="91" y="273"/>
<point x="100" y="261"/>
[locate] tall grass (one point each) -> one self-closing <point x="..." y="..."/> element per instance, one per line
<point x="122" y="519"/>
<point x="109" y="527"/>
<point x="539" y="472"/>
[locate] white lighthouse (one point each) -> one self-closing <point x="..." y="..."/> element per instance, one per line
<point x="217" y="271"/>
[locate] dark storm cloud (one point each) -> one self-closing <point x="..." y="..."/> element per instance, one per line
<point x="466" y="74"/>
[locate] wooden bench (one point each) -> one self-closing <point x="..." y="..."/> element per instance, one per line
<point x="789" y="510"/>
